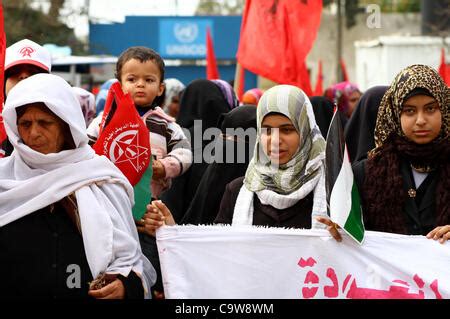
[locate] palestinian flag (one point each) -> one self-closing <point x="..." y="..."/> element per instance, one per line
<point x="342" y="194"/>
<point x="125" y="140"/>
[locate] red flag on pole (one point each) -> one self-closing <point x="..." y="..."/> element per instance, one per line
<point x="276" y="37"/>
<point x="212" y="72"/>
<point x="239" y="81"/>
<point x="444" y="69"/>
<point x="304" y="80"/>
<point x="2" y="73"/>
<point x="123" y="137"/>
<point x="344" y="71"/>
<point x="319" y="83"/>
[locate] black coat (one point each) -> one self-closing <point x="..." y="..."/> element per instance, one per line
<point x="42" y="257"/>
<point x="297" y="216"/>
<point x="419" y="212"/>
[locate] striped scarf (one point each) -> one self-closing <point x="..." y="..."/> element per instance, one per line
<point x="284" y="185"/>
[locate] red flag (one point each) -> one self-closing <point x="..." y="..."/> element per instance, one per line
<point x="2" y="73"/>
<point x="444" y="69"/>
<point x="276" y="36"/>
<point x="318" y="91"/>
<point x="344" y="71"/>
<point x="304" y="81"/>
<point x="239" y="81"/>
<point x="123" y="137"/>
<point x="212" y="72"/>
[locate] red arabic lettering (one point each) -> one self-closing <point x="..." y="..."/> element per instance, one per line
<point x="331" y="291"/>
<point x="399" y="289"/>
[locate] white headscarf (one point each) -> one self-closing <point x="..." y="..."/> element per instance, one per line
<point x="30" y="180"/>
<point x="173" y="88"/>
<point x="87" y="103"/>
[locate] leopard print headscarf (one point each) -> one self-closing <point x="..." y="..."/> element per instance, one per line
<point x="383" y="185"/>
<point x="410" y="78"/>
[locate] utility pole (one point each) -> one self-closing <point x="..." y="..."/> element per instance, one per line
<point x="435" y="17"/>
<point x="87" y="4"/>
<point x="339" y="41"/>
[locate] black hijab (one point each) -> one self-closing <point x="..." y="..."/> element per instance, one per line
<point x="323" y="112"/>
<point x="201" y="100"/>
<point x="359" y="132"/>
<point x="206" y="202"/>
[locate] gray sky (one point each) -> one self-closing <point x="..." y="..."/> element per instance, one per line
<point x="116" y="10"/>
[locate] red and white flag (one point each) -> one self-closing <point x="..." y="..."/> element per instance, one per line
<point x="125" y="140"/>
<point x="123" y="137"/>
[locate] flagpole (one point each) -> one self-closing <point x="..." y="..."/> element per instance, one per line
<point x="2" y="69"/>
<point x="339" y="41"/>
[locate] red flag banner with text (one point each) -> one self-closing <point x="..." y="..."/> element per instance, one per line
<point x="123" y="136"/>
<point x="2" y="72"/>
<point x="276" y="36"/>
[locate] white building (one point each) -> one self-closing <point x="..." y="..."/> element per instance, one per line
<point x="378" y="61"/>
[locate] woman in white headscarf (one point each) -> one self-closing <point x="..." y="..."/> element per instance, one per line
<point x="65" y="213"/>
<point x="172" y="92"/>
<point x="87" y="103"/>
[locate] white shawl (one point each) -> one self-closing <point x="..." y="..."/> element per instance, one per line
<point x="30" y="180"/>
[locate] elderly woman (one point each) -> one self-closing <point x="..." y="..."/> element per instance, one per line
<point x="65" y="213"/>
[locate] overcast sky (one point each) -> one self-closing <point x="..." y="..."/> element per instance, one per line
<point x="116" y="10"/>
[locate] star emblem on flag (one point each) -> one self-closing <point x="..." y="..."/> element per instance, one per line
<point x="129" y="150"/>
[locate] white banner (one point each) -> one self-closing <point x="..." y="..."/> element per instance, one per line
<point x="275" y="263"/>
